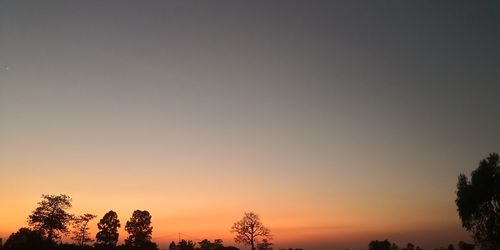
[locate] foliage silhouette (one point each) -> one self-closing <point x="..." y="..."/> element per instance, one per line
<point x="107" y="237"/>
<point x="139" y="229"/>
<point x="51" y="217"/>
<point x="81" y="232"/>
<point x="185" y="245"/>
<point x="409" y="246"/>
<point x="27" y="239"/>
<point x="379" y="245"/>
<point x="207" y="245"/>
<point x="478" y="202"/>
<point x="172" y="246"/>
<point x="65" y="246"/>
<point x="250" y="229"/>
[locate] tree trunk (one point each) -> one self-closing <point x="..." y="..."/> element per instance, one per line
<point x="252" y="241"/>
<point x="49" y="235"/>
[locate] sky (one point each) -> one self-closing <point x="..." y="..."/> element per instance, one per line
<point x="338" y="122"/>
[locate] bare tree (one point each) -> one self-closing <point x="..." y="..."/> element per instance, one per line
<point x="81" y="232"/>
<point x="249" y="229"/>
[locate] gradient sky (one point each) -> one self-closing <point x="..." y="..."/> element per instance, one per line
<point x="337" y="122"/>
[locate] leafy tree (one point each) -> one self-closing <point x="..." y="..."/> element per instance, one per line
<point x="81" y="232"/>
<point x="26" y="239"/>
<point x="409" y="246"/>
<point x="249" y="229"/>
<point x="108" y="230"/>
<point x="139" y="229"/>
<point x="218" y="243"/>
<point x="265" y="245"/>
<point x="207" y="245"/>
<point x="379" y="245"/>
<point x="172" y="246"/>
<point x="51" y="217"/>
<point x="478" y="202"/>
<point x="185" y="245"/>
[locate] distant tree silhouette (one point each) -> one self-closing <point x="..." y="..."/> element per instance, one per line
<point x="250" y="229"/>
<point x="218" y="243"/>
<point x="139" y="229"/>
<point x="394" y="246"/>
<point x="265" y="245"/>
<point x="26" y="239"/>
<point x="465" y="246"/>
<point x="478" y="202"/>
<point x="81" y="232"/>
<point x="107" y="237"/>
<point x="379" y="245"/>
<point x="172" y="246"/>
<point x="51" y="217"/>
<point x="409" y="246"/>
<point x="66" y="246"/>
<point x="207" y="245"/>
<point x="451" y="247"/>
<point x="185" y="245"/>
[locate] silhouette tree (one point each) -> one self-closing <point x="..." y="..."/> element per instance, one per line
<point x="139" y="229"/>
<point x="379" y="245"/>
<point x="218" y="243"/>
<point x="207" y="245"/>
<point x="394" y="246"/>
<point x="478" y="202"/>
<point x="249" y="229"/>
<point x="265" y="245"/>
<point x="26" y="239"/>
<point x="107" y="237"/>
<point x="451" y="247"/>
<point x="81" y="232"/>
<point x="50" y="217"/>
<point x="409" y="246"/>
<point x="172" y="246"/>
<point x="185" y="245"/>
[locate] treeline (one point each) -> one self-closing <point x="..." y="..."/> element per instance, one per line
<point x="50" y="221"/>
<point x="387" y="245"/>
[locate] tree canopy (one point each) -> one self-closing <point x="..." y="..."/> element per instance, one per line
<point x="26" y="239"/>
<point x="379" y="245"/>
<point x="108" y="230"/>
<point x="249" y="230"/>
<point x="51" y="217"/>
<point x="478" y="202"/>
<point x="140" y="230"/>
